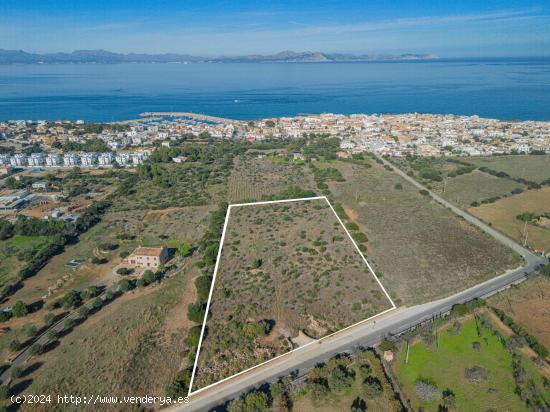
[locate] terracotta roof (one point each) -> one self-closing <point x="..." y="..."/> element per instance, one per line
<point x="148" y="251"/>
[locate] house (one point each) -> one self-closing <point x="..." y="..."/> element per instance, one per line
<point x="40" y="185"/>
<point x="149" y="257"/>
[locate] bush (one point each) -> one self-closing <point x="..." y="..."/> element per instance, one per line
<point x="195" y="312"/>
<point x="4" y="391"/>
<point x="16" y="372"/>
<point x="426" y="390"/>
<point x="340" y="379"/>
<point x="49" y="318"/>
<point x="352" y="226"/>
<point x="124" y="285"/>
<point x="36" y="349"/>
<point x="372" y="388"/>
<point x="124" y="254"/>
<point x="97" y="303"/>
<point x="123" y="271"/>
<point x="30" y="330"/>
<point x="72" y="299"/>
<point x="398" y="186"/>
<point x="15" y="345"/>
<point x="148" y="277"/>
<point x="19" y="309"/>
<point x="424" y="192"/>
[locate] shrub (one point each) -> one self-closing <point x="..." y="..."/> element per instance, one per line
<point x="19" y="309"/>
<point x="49" y="318"/>
<point x="15" y="345"/>
<point x="4" y="391"/>
<point x="426" y="390"/>
<point x="424" y="192"/>
<point x="16" y="372"/>
<point x="123" y="271"/>
<point x="36" y="349"/>
<point x="372" y="388"/>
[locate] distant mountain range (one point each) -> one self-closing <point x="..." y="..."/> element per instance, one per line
<point x="105" y="57"/>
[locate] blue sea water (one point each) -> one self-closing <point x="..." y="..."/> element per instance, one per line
<point x="503" y="89"/>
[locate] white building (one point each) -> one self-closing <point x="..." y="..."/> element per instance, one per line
<point x="36" y="159"/>
<point x="88" y="159"/>
<point x="70" y="160"/>
<point x="122" y="159"/>
<point x="53" y="160"/>
<point x="19" y="160"/>
<point x="105" y="159"/>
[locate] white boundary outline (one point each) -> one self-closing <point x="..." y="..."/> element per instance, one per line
<point x="214" y="282"/>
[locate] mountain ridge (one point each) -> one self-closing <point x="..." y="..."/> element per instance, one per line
<point x="104" y="57"/>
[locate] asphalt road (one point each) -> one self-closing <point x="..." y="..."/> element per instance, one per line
<point x="395" y="322"/>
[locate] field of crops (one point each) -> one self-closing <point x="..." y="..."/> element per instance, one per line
<point x="532" y="168"/>
<point x="253" y="177"/>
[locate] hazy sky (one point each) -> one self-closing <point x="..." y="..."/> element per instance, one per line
<point x="448" y="28"/>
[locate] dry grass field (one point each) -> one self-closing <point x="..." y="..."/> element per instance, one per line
<point x="253" y="177"/>
<point x="532" y="168"/>
<point x="529" y="305"/>
<point x="286" y="270"/>
<point x="502" y="216"/>
<point x="132" y="347"/>
<point x="421" y="250"/>
<point x="472" y="187"/>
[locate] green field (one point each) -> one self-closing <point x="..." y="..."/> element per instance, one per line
<point x="444" y="364"/>
<point x="11" y="255"/>
<point x="532" y="168"/>
<point x="476" y="186"/>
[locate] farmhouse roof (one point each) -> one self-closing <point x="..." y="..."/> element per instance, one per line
<point x="149" y="251"/>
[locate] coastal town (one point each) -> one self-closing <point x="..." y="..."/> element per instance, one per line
<point x="31" y="144"/>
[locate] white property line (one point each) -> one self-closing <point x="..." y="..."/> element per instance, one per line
<point x="303" y="346"/>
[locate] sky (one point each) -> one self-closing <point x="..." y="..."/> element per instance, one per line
<point x="447" y="28"/>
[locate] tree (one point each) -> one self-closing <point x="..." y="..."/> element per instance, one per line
<point x="49" y="319"/>
<point x="15" y="345"/>
<point x="83" y="311"/>
<point x="318" y="391"/>
<point x="253" y="402"/>
<point x="123" y="271"/>
<point x="195" y="312"/>
<point x="124" y="285"/>
<point x="358" y="405"/>
<point x="372" y="388"/>
<point x="71" y="299"/>
<point x="340" y="379"/>
<point x="36" y="349"/>
<point x="180" y="385"/>
<point x="20" y="309"/>
<point x="31" y="330"/>
<point x="16" y="372"/>
<point x="148" y="277"/>
<point x="52" y="335"/>
<point x="97" y="303"/>
<point x="4" y="391"/>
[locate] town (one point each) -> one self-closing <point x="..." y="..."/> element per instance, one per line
<point x="28" y="144"/>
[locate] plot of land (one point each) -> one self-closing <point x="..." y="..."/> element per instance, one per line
<point x="503" y="216"/>
<point x="532" y="168"/>
<point x="287" y="270"/>
<point x="529" y="305"/>
<point x="13" y="255"/>
<point x="470" y="361"/>
<point x="422" y="250"/>
<point x="476" y="186"/>
<point x="252" y="177"/>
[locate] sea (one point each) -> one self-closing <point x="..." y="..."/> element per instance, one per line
<point x="507" y="89"/>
